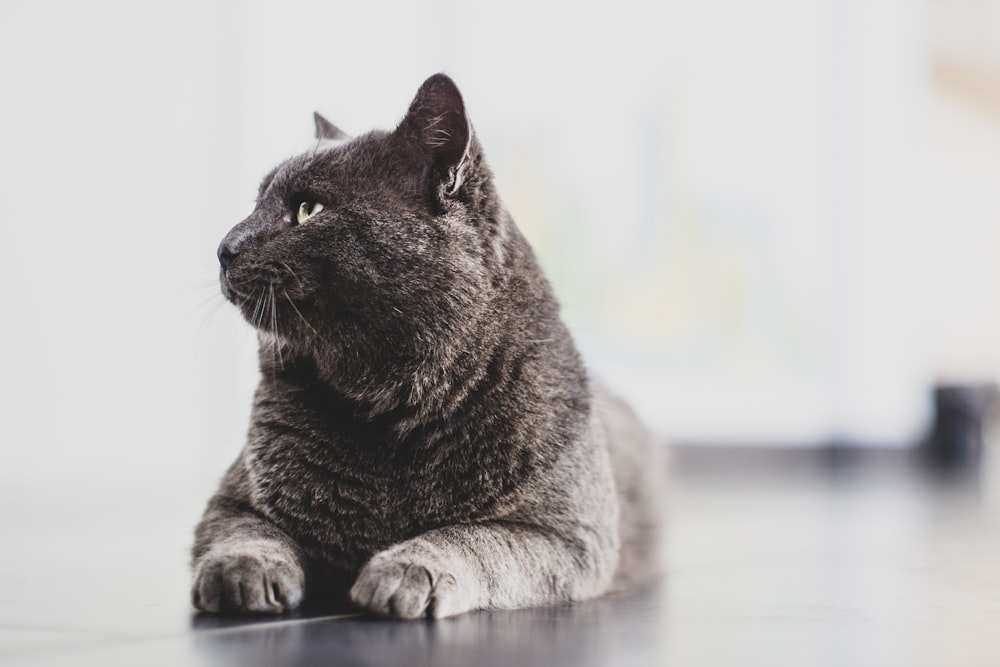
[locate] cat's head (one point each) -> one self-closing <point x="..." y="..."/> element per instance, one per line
<point x="388" y="240"/>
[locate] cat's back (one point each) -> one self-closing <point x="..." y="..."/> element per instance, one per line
<point x="640" y="466"/>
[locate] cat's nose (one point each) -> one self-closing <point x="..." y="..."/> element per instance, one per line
<point x="226" y="253"/>
<point x="233" y="243"/>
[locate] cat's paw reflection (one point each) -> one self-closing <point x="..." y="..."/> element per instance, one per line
<point x="399" y="588"/>
<point x="247" y="583"/>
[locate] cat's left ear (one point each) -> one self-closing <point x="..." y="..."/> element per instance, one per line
<point x="437" y="128"/>
<point x="327" y="131"/>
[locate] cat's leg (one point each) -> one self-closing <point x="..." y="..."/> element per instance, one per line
<point x="247" y="565"/>
<point x="243" y="563"/>
<point x="493" y="565"/>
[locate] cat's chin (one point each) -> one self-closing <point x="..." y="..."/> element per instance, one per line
<point x="244" y="283"/>
<point x="231" y="294"/>
<point x="264" y="308"/>
<point x="270" y="339"/>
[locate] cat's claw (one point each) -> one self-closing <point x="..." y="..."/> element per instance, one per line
<point x="396" y="587"/>
<point x="247" y="583"/>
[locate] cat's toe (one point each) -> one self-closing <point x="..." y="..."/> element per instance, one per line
<point x="394" y="589"/>
<point x="414" y="595"/>
<point x="247" y="584"/>
<point x="402" y="589"/>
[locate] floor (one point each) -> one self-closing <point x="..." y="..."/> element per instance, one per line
<point x="775" y="558"/>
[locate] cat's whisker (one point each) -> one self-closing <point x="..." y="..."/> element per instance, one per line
<point x="263" y="307"/>
<point x="197" y="285"/>
<point x="253" y="313"/>
<point x="211" y="299"/>
<point x="274" y="327"/>
<point x="243" y="302"/>
<point x="302" y="317"/>
<point x="269" y="308"/>
<point x="258" y="309"/>
<point x="213" y="311"/>
<point x="291" y="273"/>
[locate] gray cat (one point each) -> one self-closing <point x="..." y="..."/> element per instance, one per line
<point x="424" y="437"/>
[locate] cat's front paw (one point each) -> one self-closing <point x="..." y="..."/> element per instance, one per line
<point x="398" y="584"/>
<point x="247" y="583"/>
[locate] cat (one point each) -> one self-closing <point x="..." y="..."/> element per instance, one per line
<point x="425" y="439"/>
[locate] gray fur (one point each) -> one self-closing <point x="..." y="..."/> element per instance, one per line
<point x="424" y="437"/>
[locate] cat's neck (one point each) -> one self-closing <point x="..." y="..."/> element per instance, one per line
<point x="381" y="380"/>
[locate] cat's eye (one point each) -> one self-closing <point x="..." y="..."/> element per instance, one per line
<point x="307" y="209"/>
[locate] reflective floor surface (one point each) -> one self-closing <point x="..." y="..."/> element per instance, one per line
<point x="775" y="558"/>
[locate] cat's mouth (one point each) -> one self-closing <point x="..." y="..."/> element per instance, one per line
<point x="263" y="293"/>
<point x="243" y="281"/>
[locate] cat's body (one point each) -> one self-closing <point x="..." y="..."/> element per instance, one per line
<point x="424" y="434"/>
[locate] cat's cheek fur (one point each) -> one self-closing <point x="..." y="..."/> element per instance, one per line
<point x="248" y="578"/>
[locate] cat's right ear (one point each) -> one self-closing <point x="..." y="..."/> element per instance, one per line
<point x="437" y="130"/>
<point x="327" y="131"/>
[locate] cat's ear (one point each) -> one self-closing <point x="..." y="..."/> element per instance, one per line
<point x="437" y="128"/>
<point x="327" y="131"/>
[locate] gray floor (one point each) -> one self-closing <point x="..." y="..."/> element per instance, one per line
<point x="774" y="559"/>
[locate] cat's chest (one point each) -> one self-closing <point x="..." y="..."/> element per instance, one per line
<point x="343" y="494"/>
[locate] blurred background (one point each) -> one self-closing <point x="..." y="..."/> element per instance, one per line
<point x="769" y="223"/>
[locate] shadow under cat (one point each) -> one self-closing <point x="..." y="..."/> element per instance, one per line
<point x="582" y="634"/>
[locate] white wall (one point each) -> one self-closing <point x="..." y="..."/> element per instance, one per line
<point x="730" y="201"/>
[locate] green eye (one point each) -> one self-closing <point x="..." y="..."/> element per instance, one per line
<point x="307" y="210"/>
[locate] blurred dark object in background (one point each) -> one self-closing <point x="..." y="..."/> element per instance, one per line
<point x="961" y="415"/>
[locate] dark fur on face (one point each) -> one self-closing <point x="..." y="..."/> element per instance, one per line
<point x="416" y="378"/>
